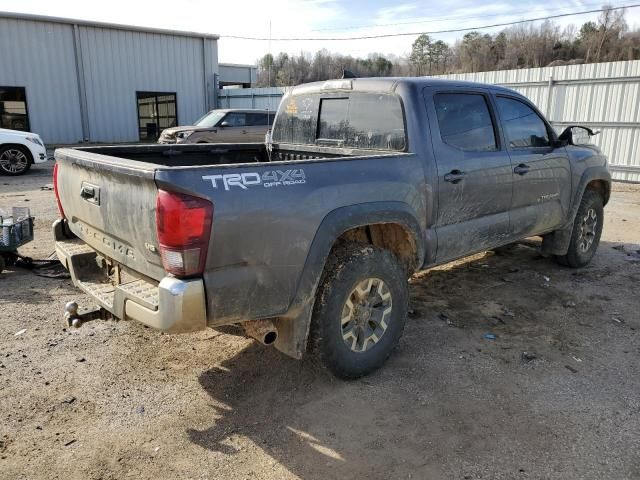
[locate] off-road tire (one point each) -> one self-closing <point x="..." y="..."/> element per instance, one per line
<point x="24" y="151"/>
<point x="577" y="256"/>
<point x="349" y="266"/>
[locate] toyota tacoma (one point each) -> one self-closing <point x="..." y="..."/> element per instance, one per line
<point x="308" y="239"/>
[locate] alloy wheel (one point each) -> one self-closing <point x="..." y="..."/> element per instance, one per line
<point x="588" y="226"/>
<point x="366" y="314"/>
<point x="13" y="161"/>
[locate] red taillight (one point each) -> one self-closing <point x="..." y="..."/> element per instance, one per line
<point x="184" y="224"/>
<point x="55" y="189"/>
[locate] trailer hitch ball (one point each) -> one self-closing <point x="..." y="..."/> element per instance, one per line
<point x="71" y="315"/>
<point x="71" y="308"/>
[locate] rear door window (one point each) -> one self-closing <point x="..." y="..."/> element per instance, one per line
<point x="465" y="121"/>
<point x="523" y="127"/>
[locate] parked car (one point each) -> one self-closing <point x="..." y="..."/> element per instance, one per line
<point x="308" y="241"/>
<point x="223" y="126"/>
<point x="19" y="150"/>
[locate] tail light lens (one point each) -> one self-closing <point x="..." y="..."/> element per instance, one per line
<point x="183" y="224"/>
<point x="55" y="189"/>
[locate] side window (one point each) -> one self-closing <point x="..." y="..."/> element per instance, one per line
<point x="256" y="119"/>
<point x="236" y="119"/>
<point x="465" y="121"/>
<point x="523" y="127"/>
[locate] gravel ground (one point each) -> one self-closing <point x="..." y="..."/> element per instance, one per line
<point x="556" y="395"/>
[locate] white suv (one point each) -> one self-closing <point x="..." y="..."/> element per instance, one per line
<point x="18" y="150"/>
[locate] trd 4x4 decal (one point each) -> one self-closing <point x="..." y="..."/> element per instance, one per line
<point x="268" y="179"/>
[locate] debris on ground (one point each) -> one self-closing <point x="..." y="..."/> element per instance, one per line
<point x="571" y="369"/>
<point x="528" y="356"/>
<point x="490" y="336"/>
<point x="19" y="332"/>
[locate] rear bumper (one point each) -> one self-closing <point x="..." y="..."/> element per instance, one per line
<point x="172" y="305"/>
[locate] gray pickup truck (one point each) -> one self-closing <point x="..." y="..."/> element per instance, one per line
<point x="308" y="240"/>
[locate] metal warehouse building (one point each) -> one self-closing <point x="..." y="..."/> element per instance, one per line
<point x="73" y="81"/>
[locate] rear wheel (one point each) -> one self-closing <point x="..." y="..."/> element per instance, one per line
<point x="360" y="310"/>
<point x="587" y="229"/>
<point x="15" y="160"/>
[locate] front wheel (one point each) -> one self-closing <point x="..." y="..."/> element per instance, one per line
<point x="15" y="160"/>
<point x="360" y="309"/>
<point x="586" y="232"/>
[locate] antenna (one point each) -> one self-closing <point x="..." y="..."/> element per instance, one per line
<point x="268" y="144"/>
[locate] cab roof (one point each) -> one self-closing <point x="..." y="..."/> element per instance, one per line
<point x="389" y="84"/>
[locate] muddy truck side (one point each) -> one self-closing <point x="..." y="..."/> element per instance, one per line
<point x="308" y="240"/>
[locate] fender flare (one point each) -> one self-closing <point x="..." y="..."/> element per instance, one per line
<point x="293" y="326"/>
<point x="557" y="242"/>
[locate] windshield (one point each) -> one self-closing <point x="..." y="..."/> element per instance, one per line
<point x="211" y="119"/>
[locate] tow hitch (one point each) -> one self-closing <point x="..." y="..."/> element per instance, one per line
<point x="76" y="317"/>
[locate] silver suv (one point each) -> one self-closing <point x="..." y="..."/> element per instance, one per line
<point x="223" y="126"/>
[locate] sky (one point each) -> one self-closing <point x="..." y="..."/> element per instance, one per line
<point x="315" y="18"/>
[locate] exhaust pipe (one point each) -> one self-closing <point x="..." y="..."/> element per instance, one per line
<point x="263" y="331"/>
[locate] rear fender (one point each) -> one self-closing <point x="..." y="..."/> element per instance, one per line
<point x="293" y="327"/>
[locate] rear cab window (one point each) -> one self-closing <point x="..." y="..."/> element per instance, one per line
<point x="355" y="120"/>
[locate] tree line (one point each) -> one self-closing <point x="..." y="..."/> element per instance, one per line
<point x="522" y="46"/>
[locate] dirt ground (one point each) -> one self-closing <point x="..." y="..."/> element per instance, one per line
<point x="556" y="395"/>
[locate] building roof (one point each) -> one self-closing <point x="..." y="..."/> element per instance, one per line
<point x="112" y="26"/>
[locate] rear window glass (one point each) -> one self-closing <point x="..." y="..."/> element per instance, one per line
<point x="465" y="121"/>
<point x="360" y="120"/>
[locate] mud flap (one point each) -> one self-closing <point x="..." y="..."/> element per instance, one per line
<point x="293" y="331"/>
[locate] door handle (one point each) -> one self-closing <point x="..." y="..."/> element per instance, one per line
<point x="454" y="176"/>
<point x="522" y="169"/>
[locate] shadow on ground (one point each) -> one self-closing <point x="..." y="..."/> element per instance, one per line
<point x="536" y="402"/>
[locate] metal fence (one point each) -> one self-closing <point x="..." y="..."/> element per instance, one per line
<point x="604" y="96"/>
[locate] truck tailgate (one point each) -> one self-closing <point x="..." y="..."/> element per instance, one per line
<point x="110" y="204"/>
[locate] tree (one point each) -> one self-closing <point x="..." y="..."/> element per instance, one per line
<point x="521" y="46"/>
<point x="420" y="51"/>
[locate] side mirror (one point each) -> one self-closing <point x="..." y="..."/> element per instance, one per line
<point x="577" y="135"/>
<point x="225" y="124"/>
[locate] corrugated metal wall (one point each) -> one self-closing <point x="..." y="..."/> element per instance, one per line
<point x="605" y="96"/>
<point x="82" y="75"/>
<point x="118" y="63"/>
<point x="40" y="57"/>
<point x="264" y="98"/>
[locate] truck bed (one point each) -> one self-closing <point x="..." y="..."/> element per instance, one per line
<point x="190" y="155"/>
